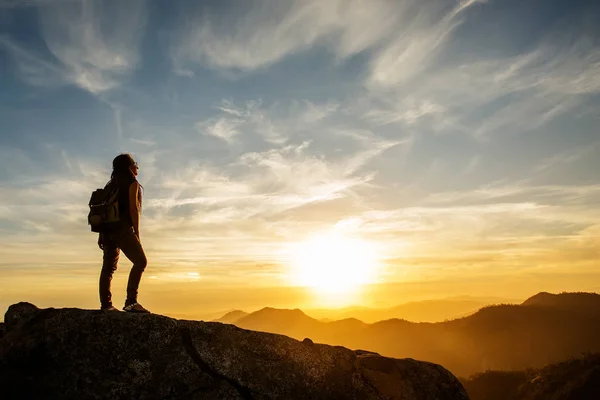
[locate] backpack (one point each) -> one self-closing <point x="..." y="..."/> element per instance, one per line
<point x="104" y="209"/>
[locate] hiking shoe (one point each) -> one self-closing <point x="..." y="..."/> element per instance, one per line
<point x="109" y="308"/>
<point x="136" y="308"/>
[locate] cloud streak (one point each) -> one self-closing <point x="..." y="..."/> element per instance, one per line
<point x="84" y="52"/>
<point x="400" y="122"/>
<point x="272" y="30"/>
<point x="32" y="67"/>
<point x="524" y="91"/>
<point x="222" y="128"/>
<point x="272" y="181"/>
<point x="423" y="34"/>
<point x="95" y="59"/>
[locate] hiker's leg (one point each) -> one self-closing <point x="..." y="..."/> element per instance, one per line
<point x="132" y="248"/>
<point x="109" y="266"/>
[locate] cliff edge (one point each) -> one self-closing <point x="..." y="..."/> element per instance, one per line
<point x="89" y="354"/>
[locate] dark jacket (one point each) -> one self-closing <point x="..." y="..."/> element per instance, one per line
<point x="123" y="183"/>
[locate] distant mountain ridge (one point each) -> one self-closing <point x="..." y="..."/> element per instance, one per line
<point x="541" y="330"/>
<point x="581" y="300"/>
<point x="232" y="316"/>
<point x="417" y="311"/>
<point x="278" y="321"/>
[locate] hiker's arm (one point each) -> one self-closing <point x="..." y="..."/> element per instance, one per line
<point x="134" y="207"/>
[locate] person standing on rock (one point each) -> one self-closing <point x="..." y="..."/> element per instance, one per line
<point x="124" y="235"/>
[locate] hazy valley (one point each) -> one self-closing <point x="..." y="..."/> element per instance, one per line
<point x="545" y="328"/>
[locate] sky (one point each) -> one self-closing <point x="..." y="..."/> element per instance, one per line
<point x="457" y="137"/>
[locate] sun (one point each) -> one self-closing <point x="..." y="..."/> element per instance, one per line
<point x="333" y="263"/>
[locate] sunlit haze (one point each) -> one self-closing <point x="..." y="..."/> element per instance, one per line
<point x="303" y="153"/>
<point x="334" y="265"/>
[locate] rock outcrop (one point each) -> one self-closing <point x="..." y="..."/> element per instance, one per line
<point x="83" y="354"/>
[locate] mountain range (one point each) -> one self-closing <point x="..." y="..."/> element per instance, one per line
<point x="417" y="311"/>
<point x="543" y="329"/>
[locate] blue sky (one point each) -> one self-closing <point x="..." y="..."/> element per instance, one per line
<point x="459" y="136"/>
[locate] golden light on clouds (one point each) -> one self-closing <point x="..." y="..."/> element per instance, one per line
<point x="398" y="155"/>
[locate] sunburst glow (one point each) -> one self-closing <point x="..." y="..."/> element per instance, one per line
<point x="333" y="263"/>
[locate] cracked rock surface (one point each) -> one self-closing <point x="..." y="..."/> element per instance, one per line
<point x="89" y="354"/>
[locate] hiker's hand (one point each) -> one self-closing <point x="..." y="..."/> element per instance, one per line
<point x="101" y="241"/>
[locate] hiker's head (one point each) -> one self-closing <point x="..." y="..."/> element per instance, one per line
<point x="124" y="166"/>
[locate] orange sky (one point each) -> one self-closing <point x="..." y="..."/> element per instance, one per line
<point x="463" y="155"/>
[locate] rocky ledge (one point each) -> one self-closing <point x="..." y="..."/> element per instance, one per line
<point x="88" y="354"/>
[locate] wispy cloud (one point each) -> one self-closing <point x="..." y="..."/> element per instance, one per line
<point x="311" y="113"/>
<point x="424" y="31"/>
<point x="524" y="91"/>
<point x="145" y="142"/>
<point x="252" y="116"/>
<point x="356" y="98"/>
<point x="566" y="157"/>
<point x="222" y="128"/>
<point x="407" y="78"/>
<point x="96" y="59"/>
<point x="515" y="192"/>
<point x="84" y="52"/>
<point x="271" y="181"/>
<point x="272" y="30"/>
<point x="32" y="67"/>
<point x="520" y="233"/>
<point x="274" y="126"/>
<point x="404" y="35"/>
<point x="406" y="110"/>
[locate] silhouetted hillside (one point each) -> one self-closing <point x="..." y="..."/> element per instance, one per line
<point x="232" y="316"/>
<point x="575" y="379"/>
<point x="585" y="302"/>
<point x="285" y="322"/>
<point x="504" y="337"/>
<point x="418" y="311"/>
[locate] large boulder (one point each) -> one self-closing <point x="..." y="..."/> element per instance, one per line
<point x="84" y="354"/>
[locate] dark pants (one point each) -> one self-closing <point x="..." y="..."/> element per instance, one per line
<point x="126" y="240"/>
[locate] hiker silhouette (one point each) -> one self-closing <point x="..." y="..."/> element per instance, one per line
<point x="115" y="215"/>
